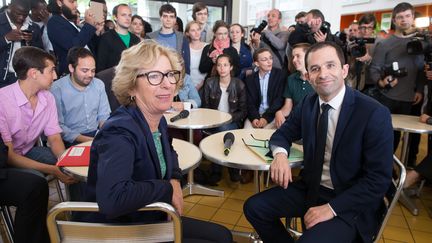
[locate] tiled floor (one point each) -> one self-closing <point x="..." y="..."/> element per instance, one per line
<point x="227" y="210"/>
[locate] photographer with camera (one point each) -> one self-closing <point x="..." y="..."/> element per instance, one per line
<point x="401" y="87"/>
<point x="360" y="51"/>
<point x="271" y="37"/>
<point x="316" y="29"/>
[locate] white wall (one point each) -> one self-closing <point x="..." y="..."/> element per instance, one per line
<point x="375" y="5"/>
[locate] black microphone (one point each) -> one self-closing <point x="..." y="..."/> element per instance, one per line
<point x="228" y="140"/>
<point x="183" y="114"/>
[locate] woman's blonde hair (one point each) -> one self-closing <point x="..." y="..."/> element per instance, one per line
<point x="141" y="56"/>
<point x="188" y="26"/>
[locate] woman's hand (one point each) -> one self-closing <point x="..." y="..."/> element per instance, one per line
<point x="177" y="197"/>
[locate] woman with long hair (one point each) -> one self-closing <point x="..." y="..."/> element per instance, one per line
<point x="193" y="33"/>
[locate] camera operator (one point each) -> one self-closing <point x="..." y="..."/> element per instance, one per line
<point x="360" y="51"/>
<point x="401" y="88"/>
<point x="272" y="38"/>
<point x="316" y="29"/>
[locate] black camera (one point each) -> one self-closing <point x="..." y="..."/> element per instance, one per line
<point x="394" y="71"/>
<point x="421" y="43"/>
<point x="260" y="27"/>
<point x="325" y="27"/>
<point x="359" y="49"/>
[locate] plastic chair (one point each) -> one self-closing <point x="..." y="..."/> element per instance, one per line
<point x="72" y="231"/>
<point x="390" y="199"/>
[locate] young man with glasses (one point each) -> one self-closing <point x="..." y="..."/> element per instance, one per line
<point x="264" y="91"/>
<point x="200" y="14"/>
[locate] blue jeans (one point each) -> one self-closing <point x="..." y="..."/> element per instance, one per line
<point x="44" y="155"/>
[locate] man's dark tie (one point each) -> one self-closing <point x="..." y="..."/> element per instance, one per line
<point x="317" y="166"/>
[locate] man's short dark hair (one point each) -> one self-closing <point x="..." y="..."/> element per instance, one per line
<point x="34" y="4"/>
<point x="402" y="7"/>
<point x="167" y="8"/>
<point x="367" y="19"/>
<point x="76" y="53"/>
<point x="259" y="51"/>
<point x="300" y="15"/>
<point x="53" y="7"/>
<point x="321" y="45"/>
<point x="198" y="6"/>
<point x="28" y="57"/>
<point x="316" y="13"/>
<point x="115" y="9"/>
<point x="23" y="3"/>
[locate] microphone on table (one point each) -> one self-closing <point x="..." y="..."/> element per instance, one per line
<point x="183" y="114"/>
<point x="228" y="140"/>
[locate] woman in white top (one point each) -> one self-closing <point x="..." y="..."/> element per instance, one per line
<point x="193" y="33"/>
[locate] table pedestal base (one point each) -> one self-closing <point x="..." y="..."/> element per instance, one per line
<point x="192" y="188"/>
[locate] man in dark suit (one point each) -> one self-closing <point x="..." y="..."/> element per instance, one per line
<point x="16" y="31"/>
<point x="64" y="34"/>
<point x="348" y="147"/>
<point x="264" y="90"/>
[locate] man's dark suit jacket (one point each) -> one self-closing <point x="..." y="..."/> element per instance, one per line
<point x="110" y="49"/>
<point x="6" y="49"/>
<point x="63" y="36"/>
<point x="275" y="97"/>
<point x="361" y="159"/>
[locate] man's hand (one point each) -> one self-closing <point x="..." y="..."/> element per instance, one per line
<point x="365" y="59"/>
<point x="66" y="179"/>
<point x="255" y="39"/>
<point x="317" y="215"/>
<point x="14" y="35"/>
<point x="280" y="170"/>
<point x="388" y="80"/>
<point x="255" y="123"/>
<point x="177" y="197"/>
<point x="262" y="122"/>
<point x="418" y="97"/>
<point x="279" y="119"/>
<point x="424" y="117"/>
<point x="319" y="36"/>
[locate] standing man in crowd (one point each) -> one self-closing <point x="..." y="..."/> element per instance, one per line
<point x="40" y="15"/>
<point x="16" y="31"/>
<point x="114" y="42"/>
<point x="82" y="103"/>
<point x="65" y="34"/>
<point x="347" y="168"/>
<point x="200" y="14"/>
<point x="273" y="38"/>
<point x="399" y="94"/>
<point x="169" y="37"/>
<point x="297" y="86"/>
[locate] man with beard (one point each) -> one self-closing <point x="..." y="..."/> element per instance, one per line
<point x="113" y="42"/>
<point x="82" y="104"/>
<point x="17" y="31"/>
<point x="64" y="34"/>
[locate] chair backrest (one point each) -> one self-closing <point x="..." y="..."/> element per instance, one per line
<point x="72" y="231"/>
<point x="393" y="193"/>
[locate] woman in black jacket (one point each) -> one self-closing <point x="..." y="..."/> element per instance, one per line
<point x="228" y="94"/>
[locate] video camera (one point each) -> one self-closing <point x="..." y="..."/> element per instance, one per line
<point x="359" y="49"/>
<point x="325" y="27"/>
<point x="421" y="43"/>
<point x="260" y="27"/>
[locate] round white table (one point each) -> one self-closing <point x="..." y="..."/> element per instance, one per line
<point x="189" y="157"/>
<point x="408" y="124"/>
<point x="200" y="118"/>
<point x="240" y="156"/>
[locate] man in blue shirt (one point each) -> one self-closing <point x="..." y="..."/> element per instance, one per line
<point x="82" y="103"/>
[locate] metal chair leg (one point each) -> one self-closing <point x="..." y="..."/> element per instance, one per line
<point x="7" y="219"/>
<point x="59" y="190"/>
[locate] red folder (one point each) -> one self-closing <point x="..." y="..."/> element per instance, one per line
<point x="76" y="156"/>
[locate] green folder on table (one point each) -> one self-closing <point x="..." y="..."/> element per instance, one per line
<point x="261" y="148"/>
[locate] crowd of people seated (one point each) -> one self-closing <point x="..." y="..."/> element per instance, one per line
<point x="67" y="80"/>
